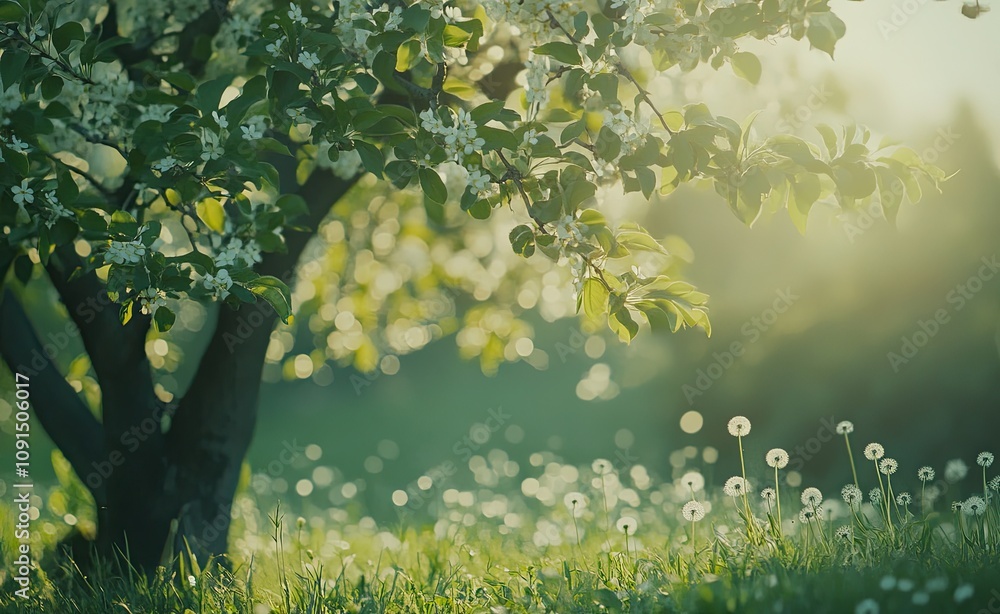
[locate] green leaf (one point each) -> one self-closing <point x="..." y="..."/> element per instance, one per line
<point x="65" y="34"/>
<point x="433" y="187"/>
<point x="371" y="157"/>
<point x="292" y="206"/>
<point x="51" y="86"/>
<point x="803" y="195"/>
<point x="566" y="53"/>
<point x="12" y="66"/>
<point x="455" y="36"/>
<point x="163" y="318"/>
<point x="747" y="66"/>
<point x="211" y="212"/>
<point x="621" y="322"/>
<point x="824" y="30"/>
<point x="407" y="55"/>
<point x="275" y="292"/>
<point x="594" y="297"/>
<point x="522" y="240"/>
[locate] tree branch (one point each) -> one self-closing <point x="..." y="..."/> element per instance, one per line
<point x="63" y="415"/>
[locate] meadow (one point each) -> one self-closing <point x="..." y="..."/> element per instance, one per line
<point x="554" y="537"/>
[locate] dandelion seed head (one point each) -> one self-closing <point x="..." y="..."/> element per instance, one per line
<point x="904" y="498"/>
<point x="768" y="494"/>
<point x="845" y="427"/>
<point x="851" y="494"/>
<point x="888" y="466"/>
<point x="812" y="497"/>
<point x="985" y="459"/>
<point x="627" y="525"/>
<point x="777" y="458"/>
<point x="875" y="496"/>
<point x="926" y="474"/>
<point x="601" y="466"/>
<point x="735" y="486"/>
<point x="739" y="426"/>
<point x="845" y="533"/>
<point x="974" y="506"/>
<point x="874" y="451"/>
<point x="994" y="483"/>
<point x="693" y="511"/>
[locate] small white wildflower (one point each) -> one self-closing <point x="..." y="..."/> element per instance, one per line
<point x="22" y="193"/>
<point x="251" y="132"/>
<point x="874" y="451"/>
<point x="221" y="120"/>
<point x="845" y="427"/>
<point x="18" y="145"/>
<point x="275" y="47"/>
<point x="124" y="252"/>
<point x="693" y="511"/>
<point x="166" y="164"/>
<point x="308" y="60"/>
<point x="735" y="486"/>
<point x="777" y="458"/>
<point x="192" y="581"/>
<point x="479" y="182"/>
<point x="295" y="14"/>
<point x="739" y="426"/>
<point x="150" y="300"/>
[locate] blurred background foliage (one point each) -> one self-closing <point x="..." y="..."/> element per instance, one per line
<point x="371" y="416"/>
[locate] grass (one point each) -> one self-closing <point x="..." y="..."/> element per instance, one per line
<point x="558" y="538"/>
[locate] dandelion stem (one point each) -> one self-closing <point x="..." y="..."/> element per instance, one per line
<point x="850" y="455"/>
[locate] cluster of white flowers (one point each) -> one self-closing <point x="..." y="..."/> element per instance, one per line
<point x="55" y="211"/>
<point x="630" y="130"/>
<point x="211" y="145"/>
<point x="253" y="128"/>
<point x="530" y="16"/>
<point x="238" y="253"/>
<point x="98" y="101"/>
<point x="634" y="13"/>
<point x="460" y="138"/>
<point x="219" y="284"/>
<point x="569" y="231"/>
<point x="166" y="164"/>
<point x="10" y="100"/>
<point x="159" y="113"/>
<point x="150" y="300"/>
<point x="124" y="252"/>
<point x="308" y="60"/>
<point x="355" y="38"/>
<point x="480" y="181"/>
<point x="536" y="78"/>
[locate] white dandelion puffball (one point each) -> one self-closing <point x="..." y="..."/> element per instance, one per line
<point x="985" y="459"/>
<point x="693" y="481"/>
<point x="845" y="533"/>
<point x="874" y="451"/>
<point x="576" y="502"/>
<point x="875" y="496"/>
<point x="955" y="470"/>
<point x="851" y="494"/>
<point x="768" y="494"/>
<point x="777" y="458"/>
<point x="693" y="511"/>
<point x="809" y="514"/>
<point x="601" y="466"/>
<point x="735" y="486"/>
<point x="974" y="506"/>
<point x="627" y="525"/>
<point x="739" y="426"/>
<point x="812" y="496"/>
<point x="904" y="498"/>
<point x="956" y="506"/>
<point x="926" y="474"/>
<point x="888" y="466"/>
<point x="846" y="427"/>
<point x="994" y="483"/>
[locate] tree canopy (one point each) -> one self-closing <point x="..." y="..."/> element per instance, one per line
<point x="172" y="148"/>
